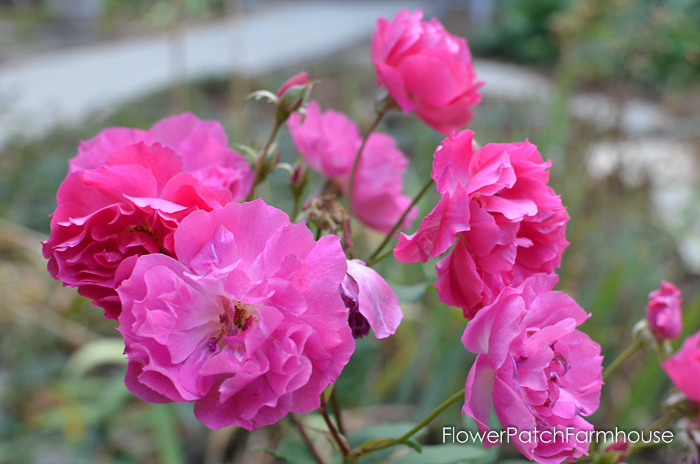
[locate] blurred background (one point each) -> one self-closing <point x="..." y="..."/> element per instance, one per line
<point x="608" y="90"/>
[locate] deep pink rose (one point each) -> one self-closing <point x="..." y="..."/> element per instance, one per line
<point x="203" y="145"/>
<point x="329" y="142"/>
<point x="128" y="207"/>
<point x="248" y="323"/>
<point x="684" y="368"/>
<point x="426" y="70"/>
<point x="505" y="223"/>
<point x="371" y="301"/>
<point x="536" y="369"/>
<point x="664" y="312"/>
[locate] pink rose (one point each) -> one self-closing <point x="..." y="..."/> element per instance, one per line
<point x="203" y="145"/>
<point x="248" y="322"/>
<point x="664" y="312"/>
<point x="296" y="80"/>
<point x="329" y="142"/>
<point x="536" y="368"/>
<point x="128" y="207"/>
<point x="370" y="300"/>
<point x="506" y="224"/>
<point x="684" y="368"/>
<point x="426" y="70"/>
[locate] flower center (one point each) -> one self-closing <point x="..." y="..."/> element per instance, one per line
<point x="235" y="318"/>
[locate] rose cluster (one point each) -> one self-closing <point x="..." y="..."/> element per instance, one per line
<point x="233" y="306"/>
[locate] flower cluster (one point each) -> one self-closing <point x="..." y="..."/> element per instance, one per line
<point x="232" y="306"/>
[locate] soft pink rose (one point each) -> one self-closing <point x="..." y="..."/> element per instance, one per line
<point x="108" y="216"/>
<point x="535" y="367"/>
<point x="203" y="145"/>
<point x="371" y="301"/>
<point x="426" y="70"/>
<point x="684" y="367"/>
<point x="506" y="224"/>
<point x="664" y="312"/>
<point x="248" y="322"/>
<point x="329" y="142"/>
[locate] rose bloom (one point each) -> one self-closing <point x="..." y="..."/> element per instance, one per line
<point x="536" y="368"/>
<point x="108" y="216"/>
<point x="426" y="70"/>
<point x="203" y="145"/>
<point x="329" y="143"/>
<point x="248" y="322"/>
<point x="370" y="300"/>
<point x="684" y="367"/>
<point x="506" y="224"/>
<point x="664" y="312"/>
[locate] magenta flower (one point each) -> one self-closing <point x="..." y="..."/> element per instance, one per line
<point x="203" y="145"/>
<point x="684" y="367"/>
<point x="108" y="216"/>
<point x="248" y="323"/>
<point x="370" y="300"/>
<point x="536" y="368"/>
<point x="426" y="70"/>
<point x="329" y="142"/>
<point x="506" y="224"/>
<point x="664" y="312"/>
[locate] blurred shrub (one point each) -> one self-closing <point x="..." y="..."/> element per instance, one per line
<point x="653" y="44"/>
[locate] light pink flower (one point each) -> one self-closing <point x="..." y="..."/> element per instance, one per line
<point x="370" y="300"/>
<point x="684" y="367"/>
<point x="108" y="216"/>
<point x="536" y="368"/>
<point x="248" y="322"/>
<point x="203" y="145"/>
<point x="506" y="224"/>
<point x="426" y="70"/>
<point x="664" y="312"/>
<point x="329" y="142"/>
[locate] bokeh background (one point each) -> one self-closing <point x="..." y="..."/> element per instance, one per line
<point x="608" y="90"/>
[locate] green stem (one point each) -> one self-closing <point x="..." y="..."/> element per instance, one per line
<point x="449" y="402"/>
<point x="617" y="362"/>
<point x="260" y="173"/>
<point x="396" y="227"/>
<point x="337" y="436"/>
<point x="337" y="412"/>
<point x="379" y="258"/>
<point x="375" y="123"/>
<point x="307" y="440"/>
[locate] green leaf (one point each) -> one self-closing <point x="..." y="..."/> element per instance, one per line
<point x="93" y="354"/>
<point x="409" y="293"/>
<point x="274" y="454"/>
<point x="445" y="454"/>
<point x="411" y="443"/>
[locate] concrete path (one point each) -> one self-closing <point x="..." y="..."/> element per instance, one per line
<point x="65" y="86"/>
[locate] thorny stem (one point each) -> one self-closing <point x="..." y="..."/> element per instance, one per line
<point x="617" y="362"/>
<point x="337" y="436"/>
<point x="396" y="227"/>
<point x="449" y="402"/>
<point x="306" y="439"/>
<point x="380" y="114"/>
<point x="260" y="173"/>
